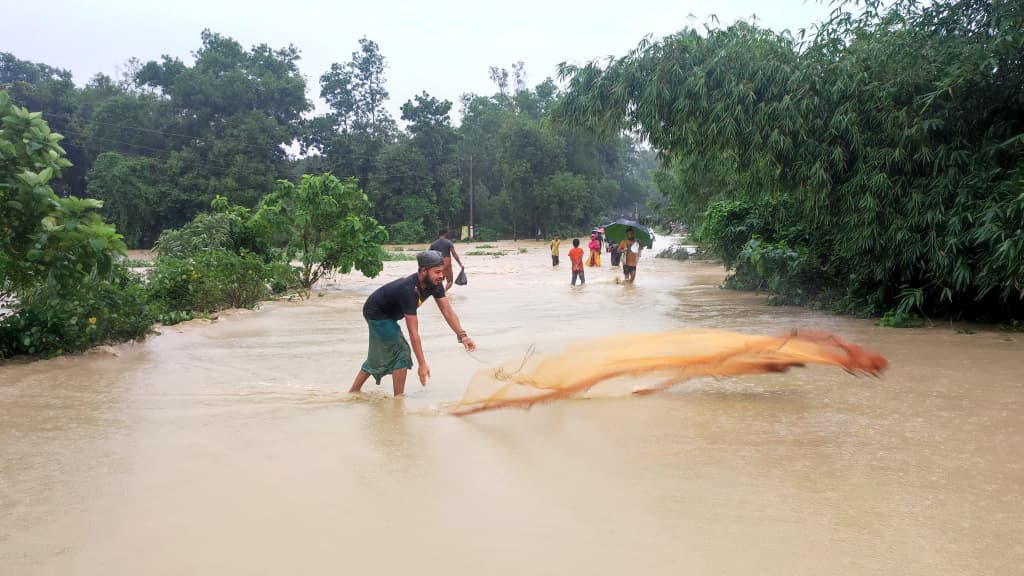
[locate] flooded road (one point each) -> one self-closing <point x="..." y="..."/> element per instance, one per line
<point x="231" y="447"/>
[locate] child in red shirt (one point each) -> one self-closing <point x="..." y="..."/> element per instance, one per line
<point x="576" y="257"/>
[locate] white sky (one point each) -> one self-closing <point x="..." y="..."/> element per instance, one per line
<point x="442" y="46"/>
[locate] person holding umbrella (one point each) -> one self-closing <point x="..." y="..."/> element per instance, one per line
<point x="631" y="238"/>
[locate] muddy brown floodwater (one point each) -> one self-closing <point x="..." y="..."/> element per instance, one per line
<point x="231" y="447"/>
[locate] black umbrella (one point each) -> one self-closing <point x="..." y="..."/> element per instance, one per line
<point x="616" y="232"/>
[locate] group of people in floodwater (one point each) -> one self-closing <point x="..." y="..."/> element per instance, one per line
<point x="627" y="253"/>
<point x="390" y="353"/>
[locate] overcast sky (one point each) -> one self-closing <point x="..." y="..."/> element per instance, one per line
<point x="441" y="46"/>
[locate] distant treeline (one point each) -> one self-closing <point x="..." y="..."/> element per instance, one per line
<point x="160" y="142"/>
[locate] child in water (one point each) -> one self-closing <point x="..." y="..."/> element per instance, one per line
<point x="576" y="258"/>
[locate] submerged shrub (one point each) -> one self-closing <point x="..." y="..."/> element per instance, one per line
<point x="788" y="274"/>
<point x="50" y="321"/>
<point x="674" y="253"/>
<point x="209" y="281"/>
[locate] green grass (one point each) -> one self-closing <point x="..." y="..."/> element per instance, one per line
<point x="389" y="256"/>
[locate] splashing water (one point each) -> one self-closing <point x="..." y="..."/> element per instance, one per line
<point x="670" y="358"/>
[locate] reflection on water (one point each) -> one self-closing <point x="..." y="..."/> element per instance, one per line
<point x="231" y="448"/>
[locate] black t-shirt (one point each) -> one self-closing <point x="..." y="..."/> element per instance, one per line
<point x="444" y="246"/>
<point x="397" y="298"/>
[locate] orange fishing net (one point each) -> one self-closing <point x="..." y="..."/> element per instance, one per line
<point x="670" y="358"/>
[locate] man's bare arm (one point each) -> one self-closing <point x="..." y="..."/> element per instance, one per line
<point x="412" y="322"/>
<point x="453" y="321"/>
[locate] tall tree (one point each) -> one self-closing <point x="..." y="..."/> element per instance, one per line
<point x="237" y="109"/>
<point x="433" y="135"/>
<point x="358" y="126"/>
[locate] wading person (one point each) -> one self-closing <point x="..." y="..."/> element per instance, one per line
<point x="389" y="352"/>
<point x="613" y="250"/>
<point x="447" y="249"/>
<point x="630" y="248"/>
<point x="595" y="251"/>
<point x="555" y="242"/>
<point x="576" y="259"/>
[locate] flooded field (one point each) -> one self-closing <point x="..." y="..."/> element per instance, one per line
<point x="231" y="446"/>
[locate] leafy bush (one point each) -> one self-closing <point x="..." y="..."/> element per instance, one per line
<point x="205" y="232"/>
<point x="137" y="263"/>
<point x="727" y="226"/>
<point x="788" y="275"/>
<point x="209" y="281"/>
<point x="175" y="317"/>
<point x="283" y="277"/>
<point x="674" y="253"/>
<point x="325" y="224"/>
<point x="894" y="319"/>
<point x="228" y="227"/>
<point x="407" y="233"/>
<point x="57" y="255"/>
<point x="50" y="321"/>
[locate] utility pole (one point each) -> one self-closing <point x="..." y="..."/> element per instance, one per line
<point x="470" y="196"/>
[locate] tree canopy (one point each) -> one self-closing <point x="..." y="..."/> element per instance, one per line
<point x="884" y="153"/>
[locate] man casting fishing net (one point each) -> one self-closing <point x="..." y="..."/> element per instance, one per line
<point x="389" y="352"/>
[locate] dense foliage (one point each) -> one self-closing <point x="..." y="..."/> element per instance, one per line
<point x="57" y="257"/>
<point x="876" y="166"/>
<point x="149" y="160"/>
<point x="324" y="224"/>
<point x="65" y="286"/>
<point x="159" y="143"/>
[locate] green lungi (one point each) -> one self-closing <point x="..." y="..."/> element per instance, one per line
<point x="388" y="349"/>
